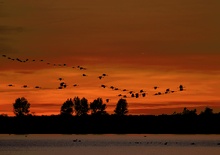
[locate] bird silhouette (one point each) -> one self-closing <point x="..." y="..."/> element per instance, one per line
<point x="112" y="87"/>
<point x="144" y="94"/>
<point x="60" y="79"/>
<point x="63" y="84"/>
<point x="10" y="85"/>
<point x="181" y="88"/>
<point x="25" y="86"/>
<point x="84" y="75"/>
<point x="100" y="77"/>
<point x="18" y="59"/>
<point x="75" y="85"/>
<point x="107" y="100"/>
<point x="124" y="96"/>
<point x="167" y="91"/>
<point x="131" y="92"/>
<point x="155" y="87"/>
<point x="158" y="93"/>
<point x="103" y="86"/>
<point x="81" y="68"/>
<point x="141" y="91"/>
<point x="136" y="95"/>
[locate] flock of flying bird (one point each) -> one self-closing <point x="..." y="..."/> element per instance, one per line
<point x="126" y="93"/>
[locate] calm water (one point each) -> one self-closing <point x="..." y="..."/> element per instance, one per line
<point x="109" y="144"/>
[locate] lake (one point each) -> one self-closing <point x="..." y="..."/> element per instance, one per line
<point x="109" y="144"/>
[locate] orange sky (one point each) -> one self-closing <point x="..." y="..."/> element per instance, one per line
<point x="139" y="44"/>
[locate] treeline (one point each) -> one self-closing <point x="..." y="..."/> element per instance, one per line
<point x="75" y="106"/>
<point x="112" y="124"/>
<point x="93" y="119"/>
<point x="81" y="107"/>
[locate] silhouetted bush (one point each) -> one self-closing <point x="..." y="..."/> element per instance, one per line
<point x="188" y="112"/>
<point x="207" y="112"/>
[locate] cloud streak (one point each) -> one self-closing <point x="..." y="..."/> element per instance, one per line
<point x="4" y="29"/>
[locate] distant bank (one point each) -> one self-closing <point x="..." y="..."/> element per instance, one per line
<point x="163" y="124"/>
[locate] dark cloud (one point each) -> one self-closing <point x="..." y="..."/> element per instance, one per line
<point x="25" y="72"/>
<point x="4" y="29"/>
<point x="6" y="40"/>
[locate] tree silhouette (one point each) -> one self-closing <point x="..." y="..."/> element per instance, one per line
<point x="189" y="112"/>
<point x="207" y="112"/>
<point x="21" y="107"/>
<point x="81" y="106"/>
<point x="97" y="107"/>
<point x="67" y="107"/>
<point x="121" y="107"/>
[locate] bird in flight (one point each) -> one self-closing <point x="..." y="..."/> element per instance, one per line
<point x="112" y="87"/>
<point x="60" y="79"/>
<point x="155" y="87"/>
<point x="144" y="94"/>
<point x="181" y="87"/>
<point x="158" y="93"/>
<point x="100" y="77"/>
<point x="103" y="86"/>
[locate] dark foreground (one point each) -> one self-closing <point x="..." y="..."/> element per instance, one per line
<point x="164" y="124"/>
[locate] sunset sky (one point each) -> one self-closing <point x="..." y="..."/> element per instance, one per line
<point x="139" y="44"/>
